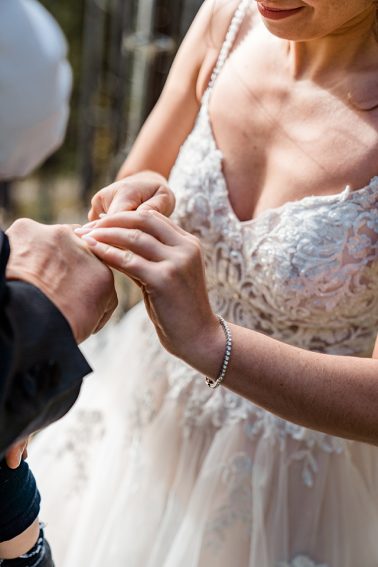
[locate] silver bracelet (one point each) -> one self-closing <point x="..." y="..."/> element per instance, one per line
<point x="227" y="355"/>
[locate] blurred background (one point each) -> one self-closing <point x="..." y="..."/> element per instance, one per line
<point x="120" y="52"/>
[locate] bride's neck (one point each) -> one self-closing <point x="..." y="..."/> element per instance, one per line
<point x="351" y="47"/>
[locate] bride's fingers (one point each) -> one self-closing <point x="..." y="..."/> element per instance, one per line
<point x="110" y="308"/>
<point x="126" y="262"/>
<point x="133" y="240"/>
<point x="101" y="324"/>
<point x="101" y="201"/>
<point x="159" y="220"/>
<point x="168" y="221"/>
<point x="147" y="221"/>
<point x="161" y="201"/>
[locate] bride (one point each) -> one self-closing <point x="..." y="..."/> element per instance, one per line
<point x="267" y="133"/>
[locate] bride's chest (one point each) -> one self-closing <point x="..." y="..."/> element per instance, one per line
<point x="306" y="273"/>
<point x="314" y="259"/>
<point x="281" y="144"/>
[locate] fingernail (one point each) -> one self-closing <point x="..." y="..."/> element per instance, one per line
<point x="90" y="241"/>
<point x="90" y="224"/>
<point x="82" y="230"/>
<point x="102" y="215"/>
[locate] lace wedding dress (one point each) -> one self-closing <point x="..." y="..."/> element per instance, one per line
<point x="153" y="469"/>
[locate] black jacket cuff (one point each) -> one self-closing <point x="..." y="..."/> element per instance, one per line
<point x="42" y="368"/>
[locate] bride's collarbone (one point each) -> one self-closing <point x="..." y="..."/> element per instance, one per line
<point x="313" y="139"/>
<point x="283" y="139"/>
<point x="277" y="101"/>
<point x="266" y="168"/>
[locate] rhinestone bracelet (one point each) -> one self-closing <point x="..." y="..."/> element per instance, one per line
<point x="227" y="355"/>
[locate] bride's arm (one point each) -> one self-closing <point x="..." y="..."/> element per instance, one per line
<point x="334" y="394"/>
<point x="375" y="353"/>
<point x="143" y="176"/>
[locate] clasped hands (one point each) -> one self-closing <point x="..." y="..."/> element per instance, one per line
<point x="64" y="267"/>
<point x="164" y="260"/>
<point x="129" y="231"/>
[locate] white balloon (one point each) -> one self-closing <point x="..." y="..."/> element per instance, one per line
<point x="35" y="86"/>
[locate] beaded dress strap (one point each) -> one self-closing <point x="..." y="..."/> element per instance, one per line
<point x="229" y="41"/>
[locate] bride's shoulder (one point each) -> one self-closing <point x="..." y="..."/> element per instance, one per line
<point x="216" y="16"/>
<point x="220" y="14"/>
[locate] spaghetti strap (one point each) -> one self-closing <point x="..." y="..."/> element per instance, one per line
<point x="229" y="41"/>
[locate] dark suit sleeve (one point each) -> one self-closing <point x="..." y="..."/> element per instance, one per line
<point x="41" y="367"/>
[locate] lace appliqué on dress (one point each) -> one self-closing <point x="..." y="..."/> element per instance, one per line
<point x="202" y="408"/>
<point x="305" y="273"/>
<point x="236" y="508"/>
<point x="87" y="430"/>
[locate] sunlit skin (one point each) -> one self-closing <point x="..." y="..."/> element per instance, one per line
<point x="328" y="37"/>
<point x="277" y="104"/>
<point x="25" y="541"/>
<point x="20" y="544"/>
<point x="319" y="19"/>
<point x="295" y="114"/>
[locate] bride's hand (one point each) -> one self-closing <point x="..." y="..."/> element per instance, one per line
<point x="144" y="190"/>
<point x="167" y="264"/>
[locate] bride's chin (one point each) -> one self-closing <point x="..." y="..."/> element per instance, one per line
<point x="299" y="27"/>
<point x="287" y="32"/>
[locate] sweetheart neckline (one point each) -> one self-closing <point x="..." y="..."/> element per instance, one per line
<point x="341" y="196"/>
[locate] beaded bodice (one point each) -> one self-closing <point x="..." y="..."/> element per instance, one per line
<point x="305" y="273"/>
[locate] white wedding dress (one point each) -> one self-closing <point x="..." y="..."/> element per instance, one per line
<point x="151" y="468"/>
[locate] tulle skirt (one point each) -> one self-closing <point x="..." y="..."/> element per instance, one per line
<point x="153" y="469"/>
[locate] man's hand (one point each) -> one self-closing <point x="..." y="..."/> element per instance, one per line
<point x="144" y="190"/>
<point x="56" y="261"/>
